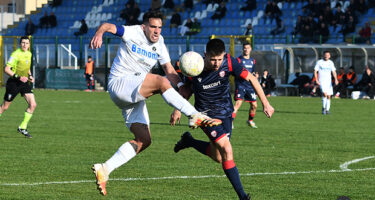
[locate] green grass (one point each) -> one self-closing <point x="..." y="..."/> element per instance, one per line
<point x="72" y="130"/>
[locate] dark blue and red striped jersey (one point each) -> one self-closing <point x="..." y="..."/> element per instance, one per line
<point x="249" y="64"/>
<point x="212" y="88"/>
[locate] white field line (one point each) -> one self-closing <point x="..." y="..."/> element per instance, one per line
<point x="343" y="169"/>
<point x="344" y="166"/>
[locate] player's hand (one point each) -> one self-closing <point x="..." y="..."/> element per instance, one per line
<point x="31" y="79"/>
<point x="96" y="41"/>
<point x="317" y="82"/>
<point x="336" y="82"/>
<point x="175" y="116"/>
<point x="24" y="79"/>
<point x="268" y="110"/>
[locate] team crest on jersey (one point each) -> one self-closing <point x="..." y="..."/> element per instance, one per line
<point x="222" y="73"/>
<point x="154" y="48"/>
<point x="213" y="133"/>
<point x="199" y="79"/>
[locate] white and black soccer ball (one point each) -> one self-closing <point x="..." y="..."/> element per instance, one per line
<point x="191" y="64"/>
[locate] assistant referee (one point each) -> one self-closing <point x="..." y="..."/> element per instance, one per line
<point x="18" y="68"/>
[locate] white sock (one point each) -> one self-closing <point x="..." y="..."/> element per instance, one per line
<point x="122" y="156"/>
<point x="174" y="99"/>
<point x="328" y="106"/>
<point x="324" y="103"/>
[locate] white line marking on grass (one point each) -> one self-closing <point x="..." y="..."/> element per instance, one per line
<point x="344" y="168"/>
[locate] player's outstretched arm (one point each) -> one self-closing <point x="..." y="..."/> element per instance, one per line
<point x="267" y="108"/>
<point x="97" y="40"/>
<point x="171" y="73"/>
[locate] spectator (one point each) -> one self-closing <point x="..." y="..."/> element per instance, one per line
<point x="349" y="27"/>
<point x="155" y="5"/>
<point x="132" y="21"/>
<point x="299" y="26"/>
<point x="249" y="29"/>
<point x="272" y="11"/>
<point x="175" y="20"/>
<point x="303" y="83"/>
<point x="365" y="34"/>
<point x="43" y="21"/>
<point x="367" y="83"/>
<point x="188" y="4"/>
<point x="309" y="9"/>
<point x="56" y="3"/>
<point x="89" y="75"/>
<point x="250" y="5"/>
<point x="186" y="27"/>
<point x="350" y="78"/>
<point x="323" y="33"/>
<point x="220" y="11"/>
<point x="52" y="22"/>
<point x="195" y="28"/>
<point x="125" y="13"/>
<point x="30" y="27"/>
<point x="328" y="15"/>
<point x="306" y="35"/>
<point x="267" y="83"/>
<point x="338" y="17"/>
<point x="280" y="28"/>
<point x="340" y="88"/>
<point x="83" y="29"/>
<point x="168" y="4"/>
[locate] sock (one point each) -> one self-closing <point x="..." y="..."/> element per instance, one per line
<point x="122" y="156"/>
<point x="251" y="116"/>
<point x="324" y="103"/>
<point x="26" y="120"/>
<point x="201" y="146"/>
<point x="233" y="115"/>
<point x="328" y="106"/>
<point x="174" y="99"/>
<point x="231" y="171"/>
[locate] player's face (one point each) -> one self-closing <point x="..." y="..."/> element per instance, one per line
<point x="327" y="56"/>
<point x="246" y="50"/>
<point x="152" y="30"/>
<point x="25" y="44"/>
<point x="214" y="62"/>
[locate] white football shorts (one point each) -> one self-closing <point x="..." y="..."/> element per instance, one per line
<point x="124" y="92"/>
<point x="326" y="88"/>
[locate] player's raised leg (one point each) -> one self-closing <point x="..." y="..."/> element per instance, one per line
<point x="156" y="84"/>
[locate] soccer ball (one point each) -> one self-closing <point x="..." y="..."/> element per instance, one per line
<point x="191" y="64"/>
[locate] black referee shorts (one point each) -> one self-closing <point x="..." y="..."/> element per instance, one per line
<point x="15" y="86"/>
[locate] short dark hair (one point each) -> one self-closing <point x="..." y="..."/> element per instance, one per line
<point x="246" y="43"/>
<point x="89" y="57"/>
<point x="24" y="38"/>
<point x="324" y="52"/>
<point x="215" y="47"/>
<point x="152" y="14"/>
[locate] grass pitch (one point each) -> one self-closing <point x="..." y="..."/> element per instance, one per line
<point x="294" y="155"/>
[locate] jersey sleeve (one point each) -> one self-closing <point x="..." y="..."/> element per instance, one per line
<point x="13" y="60"/>
<point x="316" y="68"/>
<point x="164" y="54"/>
<point x="237" y="69"/>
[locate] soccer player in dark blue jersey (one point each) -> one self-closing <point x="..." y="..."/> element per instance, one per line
<point x="212" y="96"/>
<point x="244" y="89"/>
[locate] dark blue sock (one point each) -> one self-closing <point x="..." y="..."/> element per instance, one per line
<point x="231" y="171"/>
<point x="200" y="146"/>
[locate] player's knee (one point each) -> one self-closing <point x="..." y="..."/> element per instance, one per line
<point x="144" y="142"/>
<point x="32" y="106"/>
<point x="164" y="84"/>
